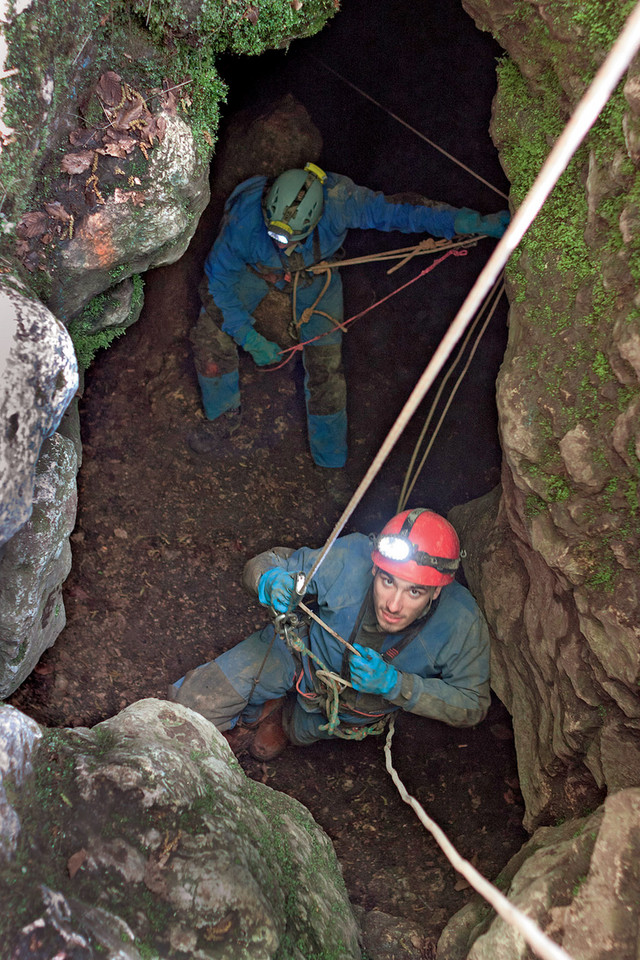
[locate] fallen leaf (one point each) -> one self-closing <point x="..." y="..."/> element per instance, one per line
<point x="77" y="162"/>
<point x="81" y="138"/>
<point x="75" y="861"/>
<point x="128" y="114"/>
<point x="43" y="669"/>
<point x="251" y="14"/>
<point x="509" y="796"/>
<point x="120" y="533"/>
<point x="56" y="210"/>
<point x="32" y="225"/>
<point x="118" y="148"/>
<point x="109" y="88"/>
<point x="136" y="197"/>
<point x="169" y="101"/>
<point x="461" y="884"/>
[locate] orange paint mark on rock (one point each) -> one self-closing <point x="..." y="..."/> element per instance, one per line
<point x="97" y="237"/>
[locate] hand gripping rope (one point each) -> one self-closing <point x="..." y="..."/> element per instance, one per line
<point x="583" y="118"/>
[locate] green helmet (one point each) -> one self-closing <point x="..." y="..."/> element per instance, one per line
<point x="293" y="205"/>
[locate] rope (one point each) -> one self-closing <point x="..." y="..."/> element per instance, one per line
<point x="435" y="146"/>
<point x="537" y="940"/>
<point x="345" y="323"/>
<point x="335" y="684"/>
<point x="583" y="118"/>
<point x="408" y="486"/>
<point x="429" y="245"/>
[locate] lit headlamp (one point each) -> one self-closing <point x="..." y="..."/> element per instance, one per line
<point x="400" y="549"/>
<point x="279" y="231"/>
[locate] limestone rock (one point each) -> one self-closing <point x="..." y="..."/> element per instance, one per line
<point x="148" y="832"/>
<point x="38" y="378"/>
<point x="36" y="562"/>
<point x="138" y="228"/>
<point x="578" y="881"/>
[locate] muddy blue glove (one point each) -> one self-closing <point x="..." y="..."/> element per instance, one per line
<point x="370" y="674"/>
<point x="277" y="589"/>
<point x="262" y="350"/>
<point x="470" y="221"/>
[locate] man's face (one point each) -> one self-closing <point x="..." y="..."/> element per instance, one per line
<point x="398" y="603"/>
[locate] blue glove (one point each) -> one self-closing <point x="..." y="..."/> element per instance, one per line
<point x="262" y="350"/>
<point x="277" y="589"/>
<point x="470" y="221"/>
<point x="369" y="672"/>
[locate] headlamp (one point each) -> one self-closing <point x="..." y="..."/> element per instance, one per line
<point x="400" y="549"/>
<point x="279" y="231"/>
<point x="395" y="548"/>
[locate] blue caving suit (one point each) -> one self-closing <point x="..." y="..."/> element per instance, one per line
<point x="244" y="263"/>
<point x="443" y="670"/>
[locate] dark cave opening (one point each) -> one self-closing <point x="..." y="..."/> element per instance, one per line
<point x="162" y="536"/>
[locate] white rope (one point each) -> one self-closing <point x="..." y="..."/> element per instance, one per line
<point x="583" y="118"/>
<point x="537" y="940"/>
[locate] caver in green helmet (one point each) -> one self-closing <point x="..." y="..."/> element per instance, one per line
<point x="293" y="205"/>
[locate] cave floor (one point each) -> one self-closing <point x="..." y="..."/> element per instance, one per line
<point x="158" y="550"/>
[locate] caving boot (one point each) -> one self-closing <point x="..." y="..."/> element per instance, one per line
<point x="241" y="736"/>
<point x="211" y="434"/>
<point x="270" y="739"/>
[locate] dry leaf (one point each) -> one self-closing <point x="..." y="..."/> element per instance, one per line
<point x="81" y="138"/>
<point x="461" y="884"/>
<point x="77" y="162"/>
<point x="75" y="861"/>
<point x="296" y="5"/>
<point x="251" y="14"/>
<point x="120" y="533"/>
<point x="109" y="88"/>
<point x="136" y="197"/>
<point x="119" y="148"/>
<point x="32" y="225"/>
<point x="128" y="114"/>
<point x="56" y="210"/>
<point x="169" y="102"/>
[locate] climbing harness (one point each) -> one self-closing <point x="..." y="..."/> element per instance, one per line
<point x="289" y="626"/>
<point x="288" y="352"/>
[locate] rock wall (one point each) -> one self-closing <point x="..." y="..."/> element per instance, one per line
<point x="106" y="133"/>
<point x="558" y="571"/>
<point x="143" y="837"/>
<point x="577" y="881"/>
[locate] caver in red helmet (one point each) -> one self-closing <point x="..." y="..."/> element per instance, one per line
<point x="419" y="546"/>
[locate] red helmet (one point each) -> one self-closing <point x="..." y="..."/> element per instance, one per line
<point x="419" y="546"/>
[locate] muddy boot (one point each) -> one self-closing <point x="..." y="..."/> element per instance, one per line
<point x="209" y="436"/>
<point x="270" y="739"/>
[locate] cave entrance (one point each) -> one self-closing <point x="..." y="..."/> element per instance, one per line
<point x="162" y="535"/>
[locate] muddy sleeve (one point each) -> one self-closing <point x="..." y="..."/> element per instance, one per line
<point x="460" y="696"/>
<point x="254" y="568"/>
<point x="354" y="206"/>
